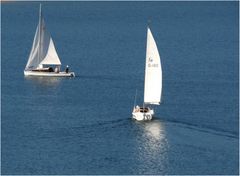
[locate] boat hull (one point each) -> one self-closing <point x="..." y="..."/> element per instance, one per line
<point x="142" y="116"/>
<point x="49" y="74"/>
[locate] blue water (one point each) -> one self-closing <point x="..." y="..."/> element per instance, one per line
<point x="83" y="125"/>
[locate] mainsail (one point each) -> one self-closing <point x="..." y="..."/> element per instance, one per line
<point x="43" y="51"/>
<point x="153" y="72"/>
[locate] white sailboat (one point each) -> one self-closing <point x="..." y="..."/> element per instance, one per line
<point x="153" y="81"/>
<point x="43" y="59"/>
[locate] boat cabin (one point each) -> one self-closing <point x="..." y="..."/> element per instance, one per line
<point x="144" y="109"/>
<point x="49" y="69"/>
<point x="140" y="109"/>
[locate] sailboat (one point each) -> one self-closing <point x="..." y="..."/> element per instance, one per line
<point x="152" y="83"/>
<point x="43" y="59"/>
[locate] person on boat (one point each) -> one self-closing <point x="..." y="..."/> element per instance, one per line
<point x="137" y="108"/>
<point x="57" y="69"/>
<point x="50" y="69"/>
<point x="67" y="69"/>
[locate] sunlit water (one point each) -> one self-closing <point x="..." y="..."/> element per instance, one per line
<point x="83" y="125"/>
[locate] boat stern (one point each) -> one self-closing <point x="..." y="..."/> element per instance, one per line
<point x="140" y="116"/>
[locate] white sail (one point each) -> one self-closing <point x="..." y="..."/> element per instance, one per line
<point x="43" y="50"/>
<point x="153" y="72"/>
<point x="33" y="60"/>
<point x="51" y="57"/>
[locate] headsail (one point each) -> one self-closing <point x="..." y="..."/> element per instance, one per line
<point x="51" y="56"/>
<point x="43" y="49"/>
<point x="153" y="72"/>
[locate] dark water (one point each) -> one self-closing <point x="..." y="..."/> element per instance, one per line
<point x="82" y="125"/>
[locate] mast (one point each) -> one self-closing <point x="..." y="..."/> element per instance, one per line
<point x="39" y="28"/>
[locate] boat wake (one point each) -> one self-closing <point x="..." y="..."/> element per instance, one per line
<point x="83" y="131"/>
<point x="101" y="77"/>
<point x="200" y="128"/>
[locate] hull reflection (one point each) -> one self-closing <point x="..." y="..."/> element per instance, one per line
<point x="152" y="147"/>
<point x="44" y="81"/>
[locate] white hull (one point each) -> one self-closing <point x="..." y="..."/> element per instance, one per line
<point x="49" y="74"/>
<point x="142" y="116"/>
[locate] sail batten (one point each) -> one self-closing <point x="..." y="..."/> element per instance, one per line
<point x="43" y="51"/>
<point x="153" y="72"/>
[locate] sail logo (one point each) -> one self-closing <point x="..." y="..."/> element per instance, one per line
<point x="150" y="59"/>
<point x="150" y="63"/>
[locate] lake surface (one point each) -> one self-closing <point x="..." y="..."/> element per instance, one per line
<point x="83" y="125"/>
